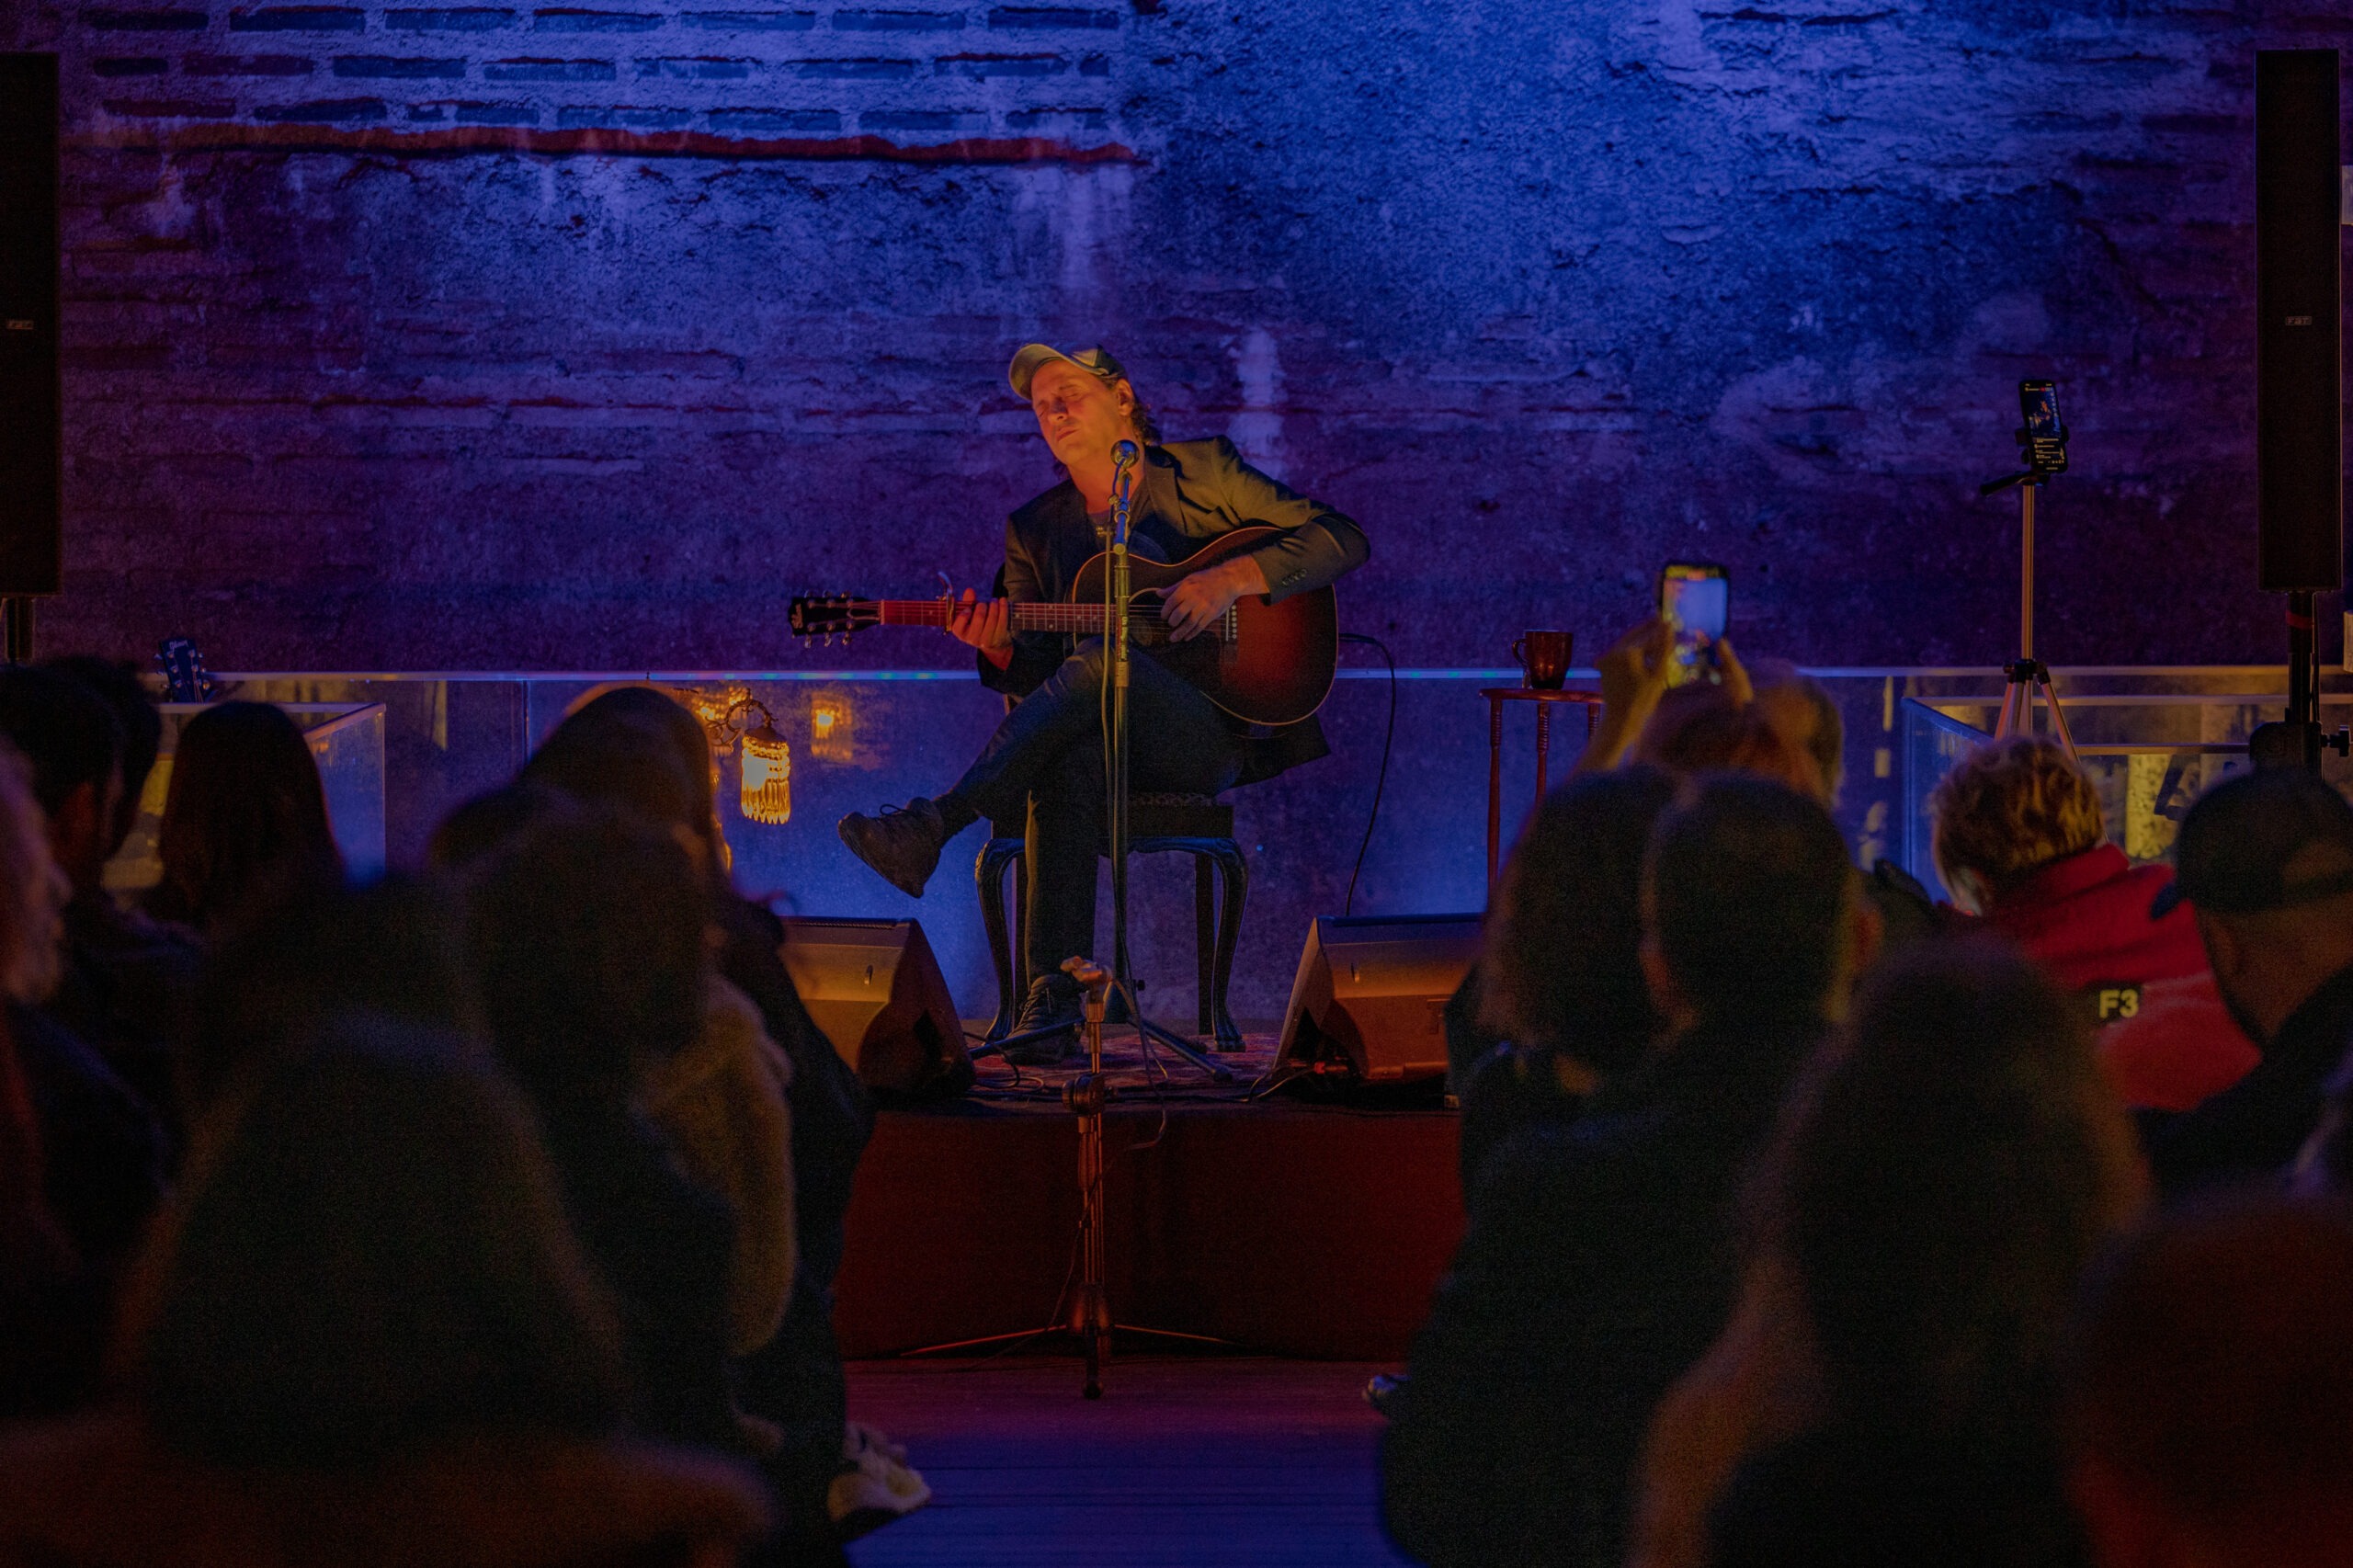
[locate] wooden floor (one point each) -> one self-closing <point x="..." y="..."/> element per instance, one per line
<point x="1192" y="1459"/>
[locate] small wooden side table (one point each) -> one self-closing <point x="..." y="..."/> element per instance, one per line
<point x="1496" y="697"/>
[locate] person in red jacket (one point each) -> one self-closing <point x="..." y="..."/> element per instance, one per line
<point x="2019" y="839"/>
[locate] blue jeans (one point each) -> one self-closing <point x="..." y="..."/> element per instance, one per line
<point x="1047" y="758"/>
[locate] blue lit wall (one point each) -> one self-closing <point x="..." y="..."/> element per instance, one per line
<point x="578" y="335"/>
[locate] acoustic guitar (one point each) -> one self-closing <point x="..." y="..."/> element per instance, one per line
<point x="1265" y="663"/>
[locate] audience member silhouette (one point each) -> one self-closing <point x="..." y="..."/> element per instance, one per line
<point x="2210" y="1392"/>
<point x="51" y="1315"/>
<point x="1884" y="1393"/>
<point x="127" y="978"/>
<point x="245" y="822"/>
<point x="104" y="1151"/>
<point x="723" y="1100"/>
<point x="364" y="1336"/>
<point x="1599" y="1261"/>
<point x="116" y="682"/>
<point x="2266" y="863"/>
<point x="1561" y="975"/>
<point x="2019" y="837"/>
<point x="587" y="939"/>
<point x="795" y="1381"/>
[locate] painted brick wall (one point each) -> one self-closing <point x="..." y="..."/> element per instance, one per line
<point x="580" y="335"/>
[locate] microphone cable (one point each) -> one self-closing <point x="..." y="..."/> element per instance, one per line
<point x="1381" y="783"/>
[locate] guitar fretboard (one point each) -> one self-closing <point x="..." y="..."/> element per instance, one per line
<point x="1027" y="615"/>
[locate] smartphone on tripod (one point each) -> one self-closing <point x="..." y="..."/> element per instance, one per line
<point x="2044" y="439"/>
<point x="1695" y="601"/>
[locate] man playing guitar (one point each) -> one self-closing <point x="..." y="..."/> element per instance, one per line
<point x="1048" y="754"/>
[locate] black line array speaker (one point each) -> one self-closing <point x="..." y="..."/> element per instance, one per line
<point x="874" y="989"/>
<point x="2299" y="420"/>
<point x="1371" y="993"/>
<point x="32" y="440"/>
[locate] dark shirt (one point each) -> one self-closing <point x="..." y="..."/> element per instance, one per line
<point x="1511" y="1089"/>
<point x="2257" y="1126"/>
<point x="1599" y="1264"/>
<point x="1842" y="1499"/>
<point x="1187" y="493"/>
<point x="127" y="980"/>
<point x="662" y="1246"/>
<point x="102" y="1148"/>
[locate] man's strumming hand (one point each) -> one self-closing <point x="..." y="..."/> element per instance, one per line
<point x="986" y="624"/>
<point x="1193" y="605"/>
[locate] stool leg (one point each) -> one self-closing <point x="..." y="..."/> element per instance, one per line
<point x="1234" y="877"/>
<point x="988" y="876"/>
<point x="1204" y="944"/>
<point x="1021" y="975"/>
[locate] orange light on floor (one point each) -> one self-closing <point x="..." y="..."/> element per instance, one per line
<point x="829" y="727"/>
<point x="765" y="790"/>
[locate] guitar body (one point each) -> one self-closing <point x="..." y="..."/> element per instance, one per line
<point x="1278" y="666"/>
<point x="1269" y="664"/>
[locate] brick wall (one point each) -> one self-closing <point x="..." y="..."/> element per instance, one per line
<point x="415" y="337"/>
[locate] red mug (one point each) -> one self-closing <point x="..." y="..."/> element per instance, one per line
<point x="1543" y="659"/>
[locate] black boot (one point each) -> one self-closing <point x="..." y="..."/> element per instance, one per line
<point x="902" y="844"/>
<point x="1055" y="1001"/>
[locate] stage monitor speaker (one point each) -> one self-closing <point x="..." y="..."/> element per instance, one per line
<point x="875" y="989"/>
<point x="31" y="438"/>
<point x="2299" y="418"/>
<point x="1370" y="996"/>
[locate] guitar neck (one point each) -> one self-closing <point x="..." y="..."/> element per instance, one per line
<point x="1027" y="617"/>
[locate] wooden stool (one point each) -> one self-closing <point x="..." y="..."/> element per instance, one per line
<point x="1198" y="825"/>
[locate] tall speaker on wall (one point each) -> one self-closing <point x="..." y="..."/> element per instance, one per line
<point x="31" y="444"/>
<point x="2298" y="420"/>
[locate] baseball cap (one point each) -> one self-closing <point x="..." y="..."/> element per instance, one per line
<point x="1033" y="357"/>
<point x="2241" y="842"/>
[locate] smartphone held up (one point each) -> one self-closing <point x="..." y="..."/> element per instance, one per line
<point x="1695" y="601"/>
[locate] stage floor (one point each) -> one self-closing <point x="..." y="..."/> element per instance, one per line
<point x="1192" y="1459"/>
<point x="1271" y="1223"/>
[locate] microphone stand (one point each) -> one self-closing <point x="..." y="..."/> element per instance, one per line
<point x="1118" y="604"/>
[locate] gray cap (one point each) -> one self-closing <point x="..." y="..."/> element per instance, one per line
<point x="1033" y="357"/>
<point x="2241" y="842"/>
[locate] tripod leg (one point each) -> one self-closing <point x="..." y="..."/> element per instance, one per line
<point x="2013" y="714"/>
<point x="2058" y="718"/>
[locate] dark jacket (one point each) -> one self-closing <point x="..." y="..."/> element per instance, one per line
<point x="1600" y="1263"/>
<point x="1186" y="493"/>
<point x="2257" y="1127"/>
<point x="126" y="984"/>
<point x="661" y="1245"/>
<point x="103" y="1150"/>
<point x="1853" y="1499"/>
<point x="101" y="1492"/>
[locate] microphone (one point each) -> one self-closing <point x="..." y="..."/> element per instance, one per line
<point x="1123" y="456"/>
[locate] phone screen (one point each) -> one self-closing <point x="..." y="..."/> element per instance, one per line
<point x="2046" y="438"/>
<point x="1695" y="598"/>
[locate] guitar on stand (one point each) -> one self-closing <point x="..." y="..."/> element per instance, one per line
<point x="1263" y="662"/>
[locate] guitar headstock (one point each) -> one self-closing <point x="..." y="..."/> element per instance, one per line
<point x="185" y="677"/>
<point x="814" y="616"/>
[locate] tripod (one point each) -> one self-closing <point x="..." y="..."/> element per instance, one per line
<point x="2026" y="677"/>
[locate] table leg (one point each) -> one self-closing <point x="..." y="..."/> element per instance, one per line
<point x="1544" y="750"/>
<point x="1494" y="789"/>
